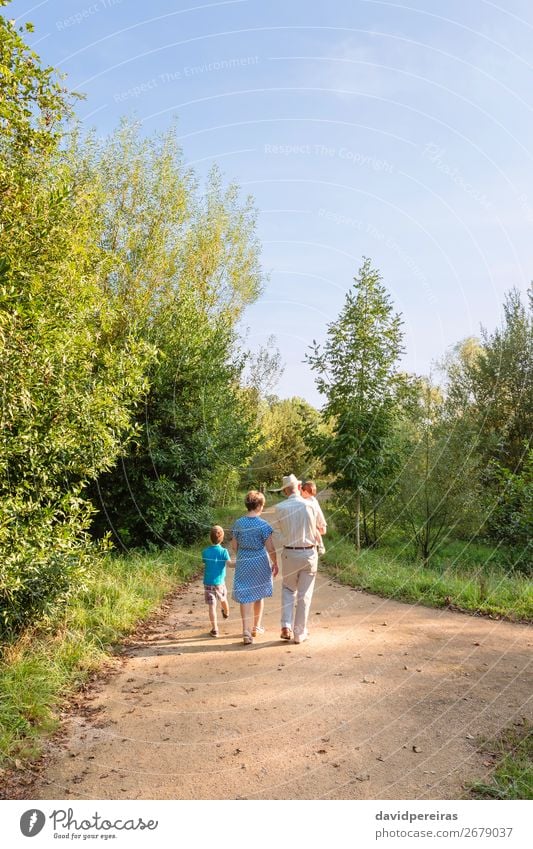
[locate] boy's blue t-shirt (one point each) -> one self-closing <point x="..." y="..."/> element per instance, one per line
<point x="215" y="557"/>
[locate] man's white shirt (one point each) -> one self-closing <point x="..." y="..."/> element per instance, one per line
<point x="296" y="521"/>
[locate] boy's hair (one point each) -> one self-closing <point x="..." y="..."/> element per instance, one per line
<point x="216" y="534"/>
<point x="309" y="486"/>
<point x="254" y="499"/>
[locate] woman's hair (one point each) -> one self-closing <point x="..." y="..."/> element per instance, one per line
<point x="216" y="534"/>
<point x="254" y="499"/>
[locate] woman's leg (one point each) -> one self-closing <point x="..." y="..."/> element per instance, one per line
<point x="247" y="617"/>
<point x="258" y="612"/>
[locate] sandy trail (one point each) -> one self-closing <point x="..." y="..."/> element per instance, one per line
<point x="186" y="716"/>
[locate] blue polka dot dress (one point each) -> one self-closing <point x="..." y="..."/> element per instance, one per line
<point x="253" y="573"/>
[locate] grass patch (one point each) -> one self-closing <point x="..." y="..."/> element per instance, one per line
<point x="465" y="576"/>
<point x="513" y="776"/>
<point x="41" y="669"/>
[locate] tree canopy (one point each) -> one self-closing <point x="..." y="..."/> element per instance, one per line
<point x="357" y="373"/>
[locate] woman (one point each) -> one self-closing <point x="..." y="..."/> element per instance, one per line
<point x="256" y="563"/>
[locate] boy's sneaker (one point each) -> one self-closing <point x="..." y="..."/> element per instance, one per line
<point x="225" y="613"/>
<point x="213" y="632"/>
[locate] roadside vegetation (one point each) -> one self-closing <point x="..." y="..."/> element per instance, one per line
<point x="470" y="576"/>
<point x="45" y="666"/>
<point x="512" y="752"/>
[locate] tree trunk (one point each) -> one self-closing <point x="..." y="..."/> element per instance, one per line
<point x="375" y="527"/>
<point x="358" y="521"/>
<point x="365" y="528"/>
<point x="426" y="551"/>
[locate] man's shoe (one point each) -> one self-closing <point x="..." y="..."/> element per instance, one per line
<point x="286" y="634"/>
<point x="300" y="638"/>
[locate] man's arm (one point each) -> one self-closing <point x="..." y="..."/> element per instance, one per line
<point x="269" y="545"/>
<point x="274" y="521"/>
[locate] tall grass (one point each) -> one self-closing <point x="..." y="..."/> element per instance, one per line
<point x="42" y="668"/>
<point x="466" y="576"/>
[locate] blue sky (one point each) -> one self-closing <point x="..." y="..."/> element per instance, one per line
<point x="362" y="128"/>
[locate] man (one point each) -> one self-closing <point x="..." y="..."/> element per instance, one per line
<point x="296" y="521"/>
<point x="308" y="490"/>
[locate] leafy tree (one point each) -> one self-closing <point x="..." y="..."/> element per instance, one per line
<point x="33" y="103"/>
<point x="163" y="234"/>
<point x="284" y="425"/>
<point x="510" y="519"/>
<point x="356" y="371"/>
<point x="67" y="391"/>
<point x="182" y="266"/>
<point x="437" y="490"/>
<point x="502" y="385"/>
<point x="490" y="401"/>
<point x="263" y="369"/>
<point x="193" y="431"/>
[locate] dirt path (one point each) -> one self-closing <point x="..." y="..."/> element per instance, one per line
<point x="187" y="716"/>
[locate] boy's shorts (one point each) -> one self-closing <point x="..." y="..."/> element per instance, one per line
<point x="212" y="592"/>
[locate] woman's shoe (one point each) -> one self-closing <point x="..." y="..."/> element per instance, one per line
<point x="257" y="630"/>
<point x="247" y="638"/>
<point x="213" y="632"/>
<point x="225" y="613"/>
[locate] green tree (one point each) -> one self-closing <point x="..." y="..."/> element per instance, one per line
<point x="284" y="424"/>
<point x="502" y="385"/>
<point x="163" y="234"/>
<point x="490" y="402"/>
<point x="437" y="490"/>
<point x="510" y="518"/>
<point x="67" y="390"/>
<point x="356" y="371"/>
<point x="194" y="431"/>
<point x="33" y="102"/>
<point x="181" y="265"/>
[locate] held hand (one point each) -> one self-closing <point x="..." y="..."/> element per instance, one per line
<point x="275" y="569"/>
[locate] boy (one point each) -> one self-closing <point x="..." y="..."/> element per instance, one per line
<point x="215" y="558"/>
<point x="308" y="491"/>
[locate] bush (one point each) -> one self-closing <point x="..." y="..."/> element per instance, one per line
<point x="67" y="388"/>
<point x="511" y="517"/>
